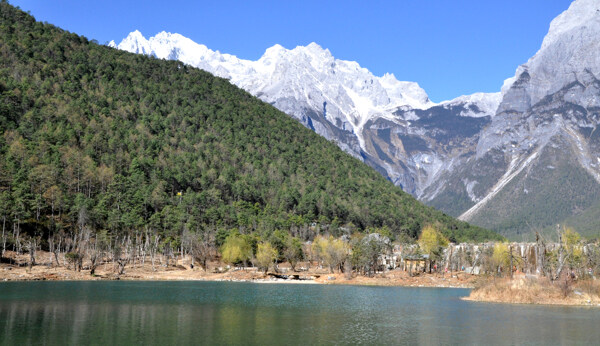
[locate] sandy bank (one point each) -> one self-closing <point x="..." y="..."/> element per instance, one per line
<point x="46" y="270"/>
<point x="181" y="273"/>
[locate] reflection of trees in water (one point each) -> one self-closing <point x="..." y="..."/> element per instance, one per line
<point x="227" y="313"/>
<point x="81" y="324"/>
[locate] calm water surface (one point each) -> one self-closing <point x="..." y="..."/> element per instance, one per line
<point x="121" y="313"/>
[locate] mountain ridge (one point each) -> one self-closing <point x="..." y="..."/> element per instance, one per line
<point x="335" y="98"/>
<point x="457" y="155"/>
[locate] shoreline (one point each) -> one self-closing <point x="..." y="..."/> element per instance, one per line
<point x="252" y="281"/>
<point x="362" y="281"/>
<point x="549" y="304"/>
<point x="522" y="290"/>
<point x="182" y="270"/>
<point x="392" y="278"/>
<point x="160" y="276"/>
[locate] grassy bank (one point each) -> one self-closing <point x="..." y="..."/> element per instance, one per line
<point x="537" y="290"/>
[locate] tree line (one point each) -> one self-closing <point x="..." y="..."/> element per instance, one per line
<point x="110" y="147"/>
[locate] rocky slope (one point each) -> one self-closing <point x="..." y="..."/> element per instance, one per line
<point x="525" y="158"/>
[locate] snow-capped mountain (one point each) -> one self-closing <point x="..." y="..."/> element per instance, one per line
<point x="502" y="160"/>
<point x="338" y="99"/>
<point x="296" y="80"/>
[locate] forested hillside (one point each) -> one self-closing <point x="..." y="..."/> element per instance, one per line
<point x="118" y="143"/>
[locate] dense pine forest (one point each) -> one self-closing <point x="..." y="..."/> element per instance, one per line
<point x="97" y="140"/>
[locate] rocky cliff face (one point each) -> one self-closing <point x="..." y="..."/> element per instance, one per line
<point x="543" y="135"/>
<point x="526" y="157"/>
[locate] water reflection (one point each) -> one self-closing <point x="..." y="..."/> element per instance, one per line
<point x="228" y="313"/>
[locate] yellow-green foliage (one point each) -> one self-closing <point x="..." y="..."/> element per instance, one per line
<point x="571" y="238"/>
<point x="330" y="251"/>
<point x="572" y="242"/>
<point x="235" y="249"/>
<point x="431" y="240"/>
<point x="319" y="247"/>
<point x="337" y="252"/>
<point x="501" y="255"/>
<point x="265" y="255"/>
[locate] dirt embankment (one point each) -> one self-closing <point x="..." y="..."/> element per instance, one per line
<point x="46" y="269"/>
<point x="525" y="289"/>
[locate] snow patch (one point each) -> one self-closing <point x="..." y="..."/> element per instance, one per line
<point x="469" y="185"/>
<point x="487" y="103"/>
<point x="513" y="170"/>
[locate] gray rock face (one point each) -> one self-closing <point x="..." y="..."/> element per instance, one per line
<point x="517" y="99"/>
<point x="552" y="102"/>
<point x="569" y="52"/>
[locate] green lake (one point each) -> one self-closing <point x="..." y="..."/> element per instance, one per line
<point x="164" y="313"/>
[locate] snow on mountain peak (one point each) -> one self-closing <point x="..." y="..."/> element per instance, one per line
<point x="486" y="104"/>
<point x="316" y="50"/>
<point x="310" y="60"/>
<point x="389" y="78"/>
<point x="134" y="37"/>
<point x="296" y="80"/>
<point x="135" y="42"/>
<point x="136" y="34"/>
<point x="314" y="47"/>
<point x="405" y="93"/>
<point x="275" y="51"/>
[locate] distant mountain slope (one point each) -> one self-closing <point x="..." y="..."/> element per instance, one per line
<point x="466" y="156"/>
<point x="97" y="137"/>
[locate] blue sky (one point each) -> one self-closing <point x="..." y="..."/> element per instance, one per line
<point x="450" y="48"/>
